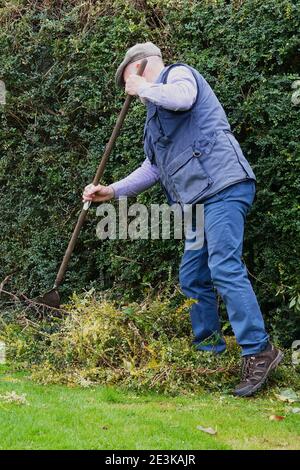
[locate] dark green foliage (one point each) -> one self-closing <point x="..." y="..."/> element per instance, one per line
<point x="58" y="61"/>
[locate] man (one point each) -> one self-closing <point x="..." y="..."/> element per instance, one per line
<point x="191" y="150"/>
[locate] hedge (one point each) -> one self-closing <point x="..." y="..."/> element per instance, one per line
<point x="58" y="61"/>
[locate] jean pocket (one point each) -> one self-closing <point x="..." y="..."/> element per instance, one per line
<point x="243" y="191"/>
<point x="189" y="178"/>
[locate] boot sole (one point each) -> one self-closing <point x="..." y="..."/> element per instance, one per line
<point x="257" y="387"/>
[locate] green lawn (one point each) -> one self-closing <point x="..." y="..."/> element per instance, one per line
<point x="59" y="417"/>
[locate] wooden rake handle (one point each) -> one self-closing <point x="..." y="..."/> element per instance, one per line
<point x="100" y="170"/>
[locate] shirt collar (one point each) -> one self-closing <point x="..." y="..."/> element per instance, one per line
<point x="157" y="80"/>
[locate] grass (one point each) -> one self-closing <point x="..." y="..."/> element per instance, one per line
<point x="60" y="417"/>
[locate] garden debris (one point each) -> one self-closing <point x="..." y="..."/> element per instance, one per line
<point x="149" y="349"/>
<point x="207" y="430"/>
<point x="296" y="353"/>
<point x="13" y="397"/>
<point x="83" y="382"/>
<point x="288" y="395"/>
<point x="2" y="352"/>
<point x="98" y="343"/>
<point x="10" y="379"/>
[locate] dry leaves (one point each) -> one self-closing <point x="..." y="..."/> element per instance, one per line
<point x="207" y="430"/>
<point x="295" y="410"/>
<point x="13" y="397"/>
<point x="276" y="418"/>
<point x="288" y="395"/>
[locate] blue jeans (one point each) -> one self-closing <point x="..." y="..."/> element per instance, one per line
<point x="218" y="264"/>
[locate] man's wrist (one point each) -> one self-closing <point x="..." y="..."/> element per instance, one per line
<point x="113" y="195"/>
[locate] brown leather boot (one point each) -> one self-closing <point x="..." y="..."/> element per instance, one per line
<point x="255" y="370"/>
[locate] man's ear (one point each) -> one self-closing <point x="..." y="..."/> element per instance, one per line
<point x="137" y="67"/>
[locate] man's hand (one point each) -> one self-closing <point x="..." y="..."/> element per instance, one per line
<point x="97" y="193"/>
<point x="133" y="84"/>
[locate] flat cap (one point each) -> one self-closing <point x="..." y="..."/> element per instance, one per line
<point x="137" y="52"/>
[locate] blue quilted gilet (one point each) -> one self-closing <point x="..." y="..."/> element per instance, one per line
<point x="195" y="151"/>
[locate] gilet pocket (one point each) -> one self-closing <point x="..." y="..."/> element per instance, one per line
<point x="188" y="177"/>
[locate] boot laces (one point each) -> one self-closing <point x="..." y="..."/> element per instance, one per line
<point x="249" y="368"/>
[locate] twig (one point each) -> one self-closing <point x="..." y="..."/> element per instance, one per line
<point x="34" y="325"/>
<point x="31" y="302"/>
<point x="206" y="371"/>
<point x="4" y="282"/>
<point x="262" y="282"/>
<point x="10" y="294"/>
<point x="128" y="259"/>
<point x="39" y="304"/>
